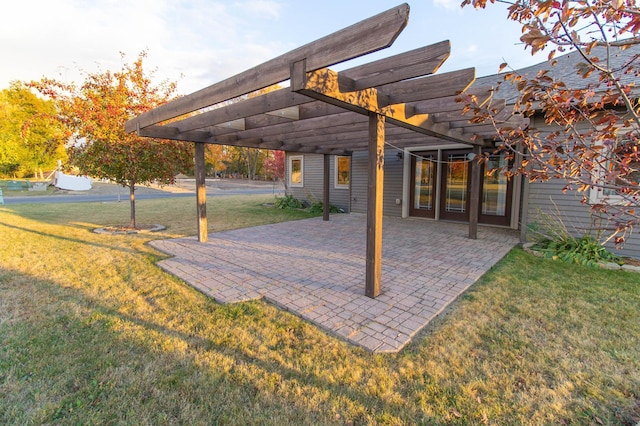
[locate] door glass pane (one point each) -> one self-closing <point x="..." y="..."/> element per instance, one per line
<point x="457" y="178"/>
<point x="423" y="185"/>
<point x="494" y="192"/>
<point x="343" y="172"/>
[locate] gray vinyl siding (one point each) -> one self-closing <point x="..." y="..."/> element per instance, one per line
<point x="632" y="246"/>
<point x="359" y="182"/>
<point x="393" y="170"/>
<point x="547" y="198"/>
<point x="312" y="167"/>
<point x="313" y="181"/>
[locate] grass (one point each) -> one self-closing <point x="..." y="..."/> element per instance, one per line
<point x="91" y="332"/>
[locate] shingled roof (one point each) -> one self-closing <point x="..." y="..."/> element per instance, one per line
<point x="565" y="70"/>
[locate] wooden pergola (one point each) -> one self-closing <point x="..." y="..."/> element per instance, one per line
<point x="397" y="100"/>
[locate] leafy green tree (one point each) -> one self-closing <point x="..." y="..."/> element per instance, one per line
<point x="96" y="112"/>
<point x="31" y="138"/>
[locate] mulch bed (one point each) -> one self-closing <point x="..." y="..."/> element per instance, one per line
<point x="125" y="230"/>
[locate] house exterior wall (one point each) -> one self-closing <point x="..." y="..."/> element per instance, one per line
<point x="393" y="178"/>
<point x="313" y="182"/>
<point x="547" y="198"/>
<point x="543" y="197"/>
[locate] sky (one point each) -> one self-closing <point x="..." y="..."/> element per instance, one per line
<point x="200" y="42"/>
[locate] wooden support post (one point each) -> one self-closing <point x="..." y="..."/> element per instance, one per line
<point x="375" y="190"/>
<point x="474" y="199"/>
<point x="325" y="191"/>
<point x="201" y="193"/>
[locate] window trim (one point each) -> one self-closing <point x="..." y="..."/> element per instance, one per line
<point x="293" y="158"/>
<point x="337" y="185"/>
<point x="597" y="193"/>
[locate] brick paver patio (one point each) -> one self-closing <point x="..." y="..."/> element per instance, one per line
<point x="316" y="270"/>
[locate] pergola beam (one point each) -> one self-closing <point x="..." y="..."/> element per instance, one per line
<point x="431" y="87"/>
<point x="325" y="85"/>
<point x="370" y="35"/>
<point x="450" y="103"/>
<point x="292" y="112"/>
<point x="415" y="63"/>
<point x="268" y="102"/>
<point x="311" y="126"/>
<point x="279" y="143"/>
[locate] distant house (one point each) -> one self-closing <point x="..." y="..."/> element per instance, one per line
<point x="433" y="182"/>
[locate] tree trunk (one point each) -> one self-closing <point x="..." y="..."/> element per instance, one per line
<point x="247" y="162"/>
<point x="255" y="163"/>
<point x="132" y="201"/>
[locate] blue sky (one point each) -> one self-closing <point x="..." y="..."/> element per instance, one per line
<point x="199" y="42"/>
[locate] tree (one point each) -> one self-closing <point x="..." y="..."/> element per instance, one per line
<point x="596" y="144"/>
<point x="215" y="157"/>
<point x="274" y="164"/>
<point x="96" y="112"/>
<point x="246" y="162"/>
<point x="30" y="136"/>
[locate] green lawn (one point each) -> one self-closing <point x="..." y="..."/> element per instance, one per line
<point x="91" y="332"/>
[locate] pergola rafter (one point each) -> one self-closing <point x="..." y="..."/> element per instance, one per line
<point x="397" y="100"/>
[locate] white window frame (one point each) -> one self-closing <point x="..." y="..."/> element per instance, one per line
<point x="337" y="185"/>
<point x="293" y="158"/>
<point x="596" y="193"/>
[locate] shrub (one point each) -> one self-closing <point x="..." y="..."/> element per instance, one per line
<point x="583" y="251"/>
<point x="288" y="202"/>
<point x="317" y="208"/>
<point x="556" y="241"/>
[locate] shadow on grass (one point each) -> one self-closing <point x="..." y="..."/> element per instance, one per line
<point x="78" y="360"/>
<point x="70" y="239"/>
<point x="69" y="357"/>
<point x="124" y="349"/>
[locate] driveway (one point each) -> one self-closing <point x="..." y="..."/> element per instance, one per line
<point x="316" y="270"/>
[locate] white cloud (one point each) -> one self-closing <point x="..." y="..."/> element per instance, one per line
<point x="209" y="40"/>
<point x="448" y="4"/>
<point x="204" y="40"/>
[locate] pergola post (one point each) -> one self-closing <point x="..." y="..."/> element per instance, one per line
<point x="474" y="201"/>
<point x="325" y="191"/>
<point x="375" y="189"/>
<point x="201" y="193"/>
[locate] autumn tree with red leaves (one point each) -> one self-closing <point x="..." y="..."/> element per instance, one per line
<point x="274" y="165"/>
<point x="96" y="112"/>
<point x="595" y="111"/>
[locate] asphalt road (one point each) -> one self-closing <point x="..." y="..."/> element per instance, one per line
<point x="106" y="193"/>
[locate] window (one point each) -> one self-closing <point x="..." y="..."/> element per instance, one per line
<point x="296" y="173"/>
<point x="625" y="163"/>
<point x="342" y="172"/>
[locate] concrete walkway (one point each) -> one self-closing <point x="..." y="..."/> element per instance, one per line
<point x="316" y="270"/>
